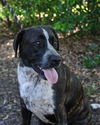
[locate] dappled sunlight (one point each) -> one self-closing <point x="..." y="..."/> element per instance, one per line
<point x="6" y="50"/>
<point x="9" y="43"/>
<point x="9" y="57"/>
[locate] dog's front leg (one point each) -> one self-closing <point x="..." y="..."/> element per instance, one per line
<point x="26" y="114"/>
<point x="62" y="116"/>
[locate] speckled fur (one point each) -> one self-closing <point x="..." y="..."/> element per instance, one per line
<point x="36" y="92"/>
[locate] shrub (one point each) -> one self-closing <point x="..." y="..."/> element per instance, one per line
<point x="64" y="15"/>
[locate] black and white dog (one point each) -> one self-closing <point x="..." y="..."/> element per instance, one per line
<point x="47" y="88"/>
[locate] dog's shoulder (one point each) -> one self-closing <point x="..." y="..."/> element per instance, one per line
<point x="67" y="76"/>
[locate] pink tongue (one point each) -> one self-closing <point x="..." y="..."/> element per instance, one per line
<point x="51" y="75"/>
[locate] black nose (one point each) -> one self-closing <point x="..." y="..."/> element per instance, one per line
<point x="55" y="60"/>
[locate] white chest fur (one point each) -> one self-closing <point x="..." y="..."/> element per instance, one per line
<point x="36" y="92"/>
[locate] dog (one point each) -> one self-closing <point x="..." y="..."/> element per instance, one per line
<point x="47" y="87"/>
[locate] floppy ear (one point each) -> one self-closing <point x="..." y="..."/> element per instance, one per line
<point x="55" y="36"/>
<point x="17" y="41"/>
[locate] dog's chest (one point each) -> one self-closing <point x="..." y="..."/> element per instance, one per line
<point x="36" y="93"/>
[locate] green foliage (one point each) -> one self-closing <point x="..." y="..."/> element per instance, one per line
<point x="64" y="15"/>
<point x="93" y="47"/>
<point x="90" y="90"/>
<point x="91" y="62"/>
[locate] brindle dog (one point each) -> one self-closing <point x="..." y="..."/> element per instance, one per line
<point x="47" y="87"/>
<point x="66" y="99"/>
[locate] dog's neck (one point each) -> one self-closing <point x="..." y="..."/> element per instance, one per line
<point x="26" y="63"/>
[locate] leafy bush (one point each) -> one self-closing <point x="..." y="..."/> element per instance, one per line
<point x="64" y="15"/>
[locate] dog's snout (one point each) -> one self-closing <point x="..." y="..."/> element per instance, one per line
<point x="55" y="60"/>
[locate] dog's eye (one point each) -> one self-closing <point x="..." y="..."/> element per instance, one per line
<point x="55" y="44"/>
<point x="37" y="43"/>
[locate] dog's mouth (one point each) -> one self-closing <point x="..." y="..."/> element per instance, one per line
<point x="49" y="74"/>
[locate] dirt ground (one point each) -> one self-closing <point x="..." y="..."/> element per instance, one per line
<point x="72" y="52"/>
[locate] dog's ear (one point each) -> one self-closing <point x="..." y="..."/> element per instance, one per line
<point x="54" y="32"/>
<point x="17" y="41"/>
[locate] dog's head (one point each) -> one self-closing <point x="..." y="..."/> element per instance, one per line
<point x="38" y="49"/>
